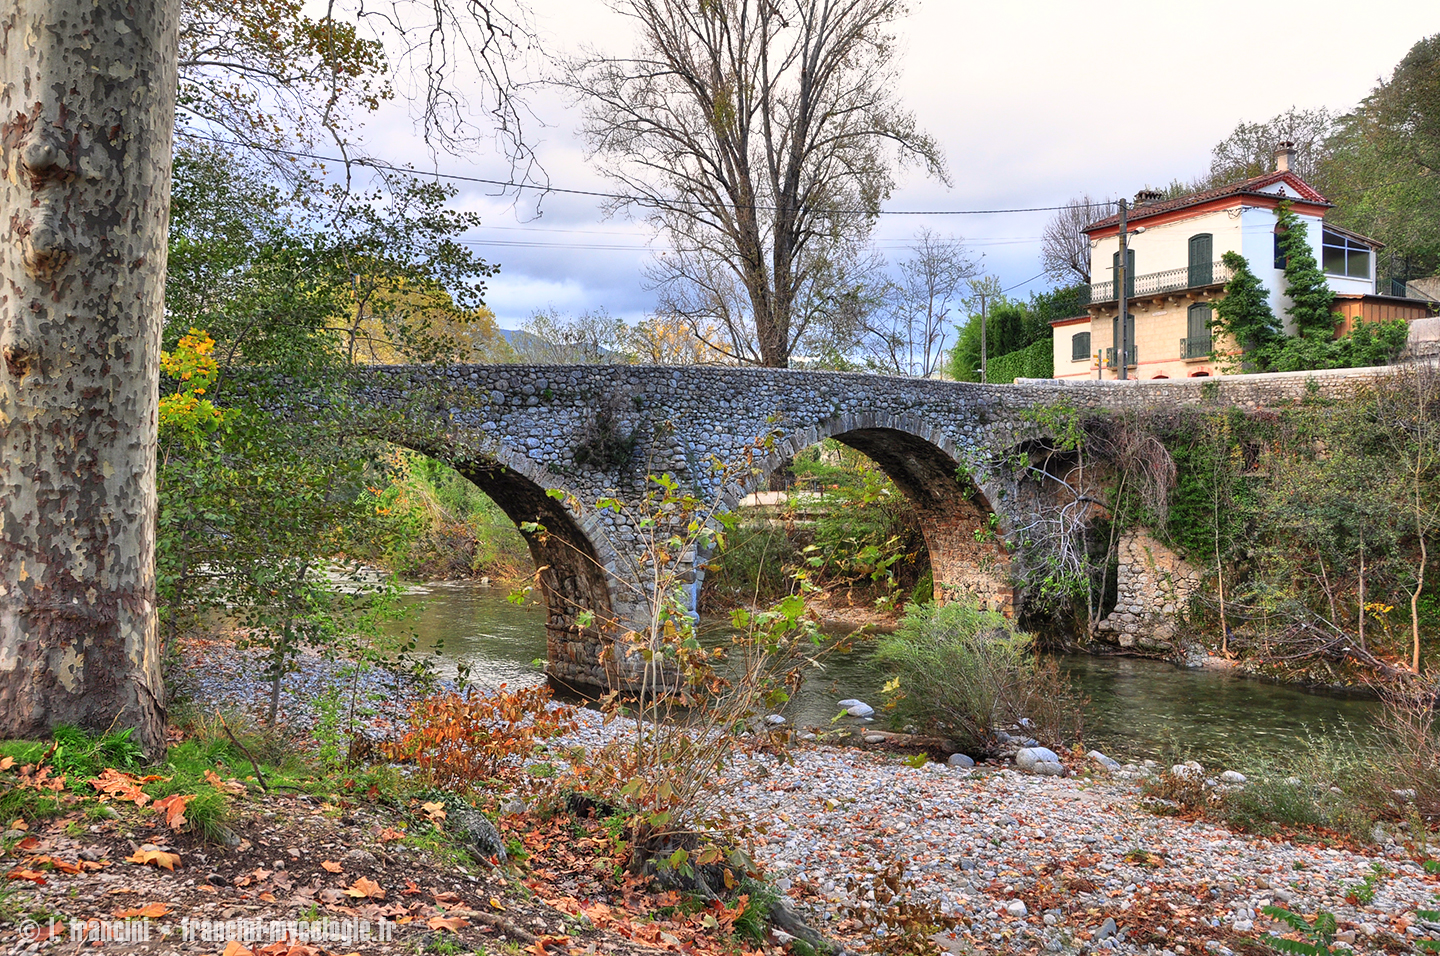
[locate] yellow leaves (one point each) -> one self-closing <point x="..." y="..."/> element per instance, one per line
<point x="193" y="365"/>
<point x="331" y="866"/>
<point x="173" y="809"/>
<point x="365" y="888"/>
<point x="497" y="904"/>
<point x="148" y="911"/>
<point x="155" y="858"/>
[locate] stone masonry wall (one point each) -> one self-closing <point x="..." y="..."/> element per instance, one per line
<point x="1154" y="585"/>
<point x="515" y="429"/>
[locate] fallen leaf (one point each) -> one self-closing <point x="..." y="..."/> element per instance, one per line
<point x="149" y="911"/>
<point x="206" y="888"/>
<point x="435" y="811"/>
<point x="267" y="897"/>
<point x="90" y="866"/>
<point x="366" y="887"/>
<point x="390" y="835"/>
<point x="452" y="923"/>
<point x="34" y="876"/>
<point x="157" y="857"/>
<point x="224" y="786"/>
<point x="173" y="809"/>
<point x="6" y="763"/>
<point x="497" y="904"/>
<point x="446" y="897"/>
<point x="27" y="844"/>
<point x="18" y="824"/>
<point x="332" y="866"/>
<point x="120" y="785"/>
<point x="233" y="948"/>
<point x="410" y="888"/>
<point x="61" y="865"/>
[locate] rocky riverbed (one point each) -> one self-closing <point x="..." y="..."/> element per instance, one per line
<point x="1023" y="862"/>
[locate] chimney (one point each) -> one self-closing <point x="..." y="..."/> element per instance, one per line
<point x="1147" y="196"/>
<point x="1284" y="156"/>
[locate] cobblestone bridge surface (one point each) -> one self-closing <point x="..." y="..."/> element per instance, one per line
<point x="599" y="431"/>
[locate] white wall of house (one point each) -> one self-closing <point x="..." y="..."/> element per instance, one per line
<point x="1247" y="230"/>
<point x="1166" y="247"/>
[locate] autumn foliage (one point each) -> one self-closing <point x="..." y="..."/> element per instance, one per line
<point x="460" y="743"/>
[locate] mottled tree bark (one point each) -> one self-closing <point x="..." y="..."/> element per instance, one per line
<point x="87" y="99"/>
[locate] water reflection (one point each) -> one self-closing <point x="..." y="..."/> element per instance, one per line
<point x="1137" y="708"/>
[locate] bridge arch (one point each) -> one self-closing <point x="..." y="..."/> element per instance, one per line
<point x="953" y="508"/>
<point x="573" y="556"/>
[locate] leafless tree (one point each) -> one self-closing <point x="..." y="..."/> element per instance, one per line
<point x="1249" y="150"/>
<point x="761" y="136"/>
<point x="906" y="335"/>
<point x="1064" y="247"/>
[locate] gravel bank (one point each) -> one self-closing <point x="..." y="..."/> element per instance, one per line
<point x="1026" y="863"/>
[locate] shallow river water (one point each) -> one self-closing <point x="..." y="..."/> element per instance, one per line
<point x="1137" y="708"/>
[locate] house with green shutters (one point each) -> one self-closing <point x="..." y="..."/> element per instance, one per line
<point x="1174" y="275"/>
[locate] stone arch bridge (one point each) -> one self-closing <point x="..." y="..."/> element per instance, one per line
<point x="599" y="431"/>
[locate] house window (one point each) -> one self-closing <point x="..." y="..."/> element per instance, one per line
<point x="1202" y="250"/>
<point x="1279" y="255"/>
<point x="1079" y="346"/>
<point x="1344" y="256"/>
<point x="1196" y="343"/>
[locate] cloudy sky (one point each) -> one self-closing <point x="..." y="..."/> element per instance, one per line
<point x="1033" y="102"/>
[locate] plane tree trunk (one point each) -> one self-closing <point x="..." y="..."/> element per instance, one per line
<point x="87" y="99"/>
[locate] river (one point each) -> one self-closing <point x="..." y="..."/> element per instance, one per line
<point x="1137" y="708"/>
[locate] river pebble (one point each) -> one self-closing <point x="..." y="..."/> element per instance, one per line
<point x="990" y="846"/>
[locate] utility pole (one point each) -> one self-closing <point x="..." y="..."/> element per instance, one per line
<point x="982" y="339"/>
<point x="1121" y="284"/>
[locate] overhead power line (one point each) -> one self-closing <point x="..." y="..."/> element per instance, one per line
<point x="617" y="197"/>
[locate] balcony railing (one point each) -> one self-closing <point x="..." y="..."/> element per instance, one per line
<point x="1195" y="348"/>
<point x="1110" y="357"/>
<point x="1155" y="283"/>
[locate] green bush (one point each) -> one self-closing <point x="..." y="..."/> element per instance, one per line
<point x="1033" y="361"/>
<point x="964" y="672"/>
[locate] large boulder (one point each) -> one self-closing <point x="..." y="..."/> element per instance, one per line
<point x="471" y="827"/>
<point x="1030" y="760"/>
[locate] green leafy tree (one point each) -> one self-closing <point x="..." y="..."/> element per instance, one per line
<point x="1312" y="303"/>
<point x="1384" y="169"/>
<point x="1244" y="317"/>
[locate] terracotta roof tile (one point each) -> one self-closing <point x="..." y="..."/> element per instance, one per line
<point x="1251" y="186"/>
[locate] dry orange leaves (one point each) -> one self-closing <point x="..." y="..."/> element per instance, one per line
<point x="390" y="835"/>
<point x="365" y="888"/>
<point x="149" y="911"/>
<point x="331" y="866"/>
<point x="224" y="786"/>
<point x="279" y="948"/>
<point x="34" y="876"/>
<point x="173" y="809"/>
<point x="123" y="786"/>
<point x="155" y="858"/>
<point x="452" y="923"/>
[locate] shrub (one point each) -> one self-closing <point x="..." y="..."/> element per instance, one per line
<point x="964" y="672"/>
<point x="462" y="744"/>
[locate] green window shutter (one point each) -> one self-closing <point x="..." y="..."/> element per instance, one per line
<point x="1079" y="346"/>
<point x="1202" y="253"/>
<point x="1129" y="272"/>
<point x="1196" y="343"/>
